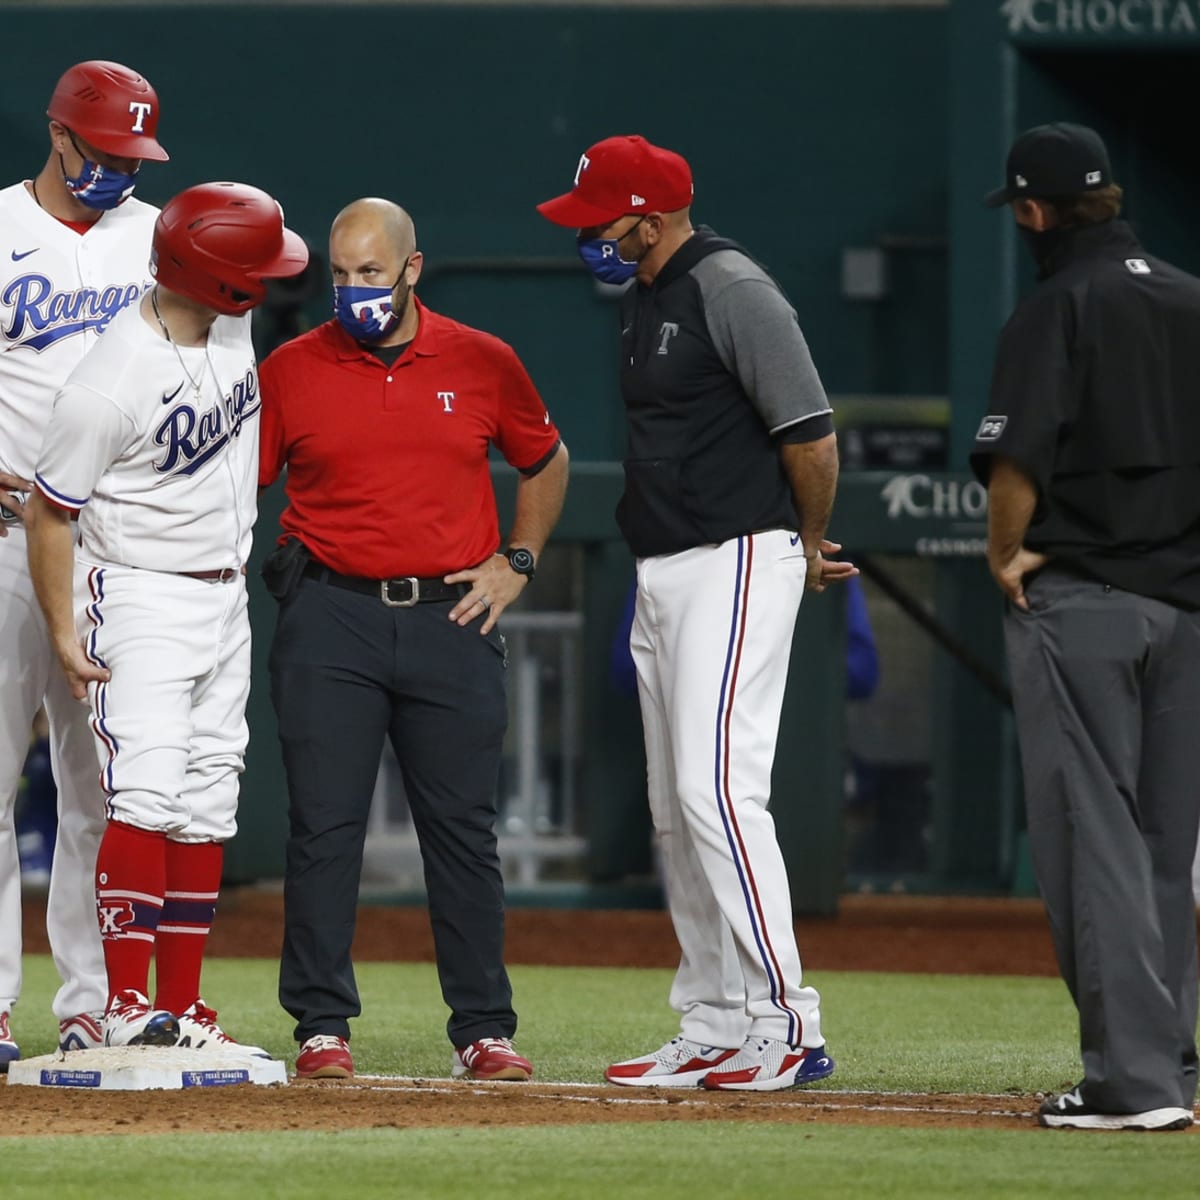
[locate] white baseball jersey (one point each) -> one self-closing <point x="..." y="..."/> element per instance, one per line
<point x="58" y="291"/>
<point x="165" y="478"/>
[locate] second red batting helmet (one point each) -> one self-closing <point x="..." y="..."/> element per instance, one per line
<point x="110" y="107"/>
<point x="218" y="243"/>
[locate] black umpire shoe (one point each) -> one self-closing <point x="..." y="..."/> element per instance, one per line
<point x="1070" y="1111"/>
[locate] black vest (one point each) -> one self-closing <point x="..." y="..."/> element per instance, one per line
<point x="701" y="467"/>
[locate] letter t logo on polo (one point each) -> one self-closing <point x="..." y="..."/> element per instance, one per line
<point x="584" y="163"/>
<point x="446" y="398"/>
<point x="142" y="110"/>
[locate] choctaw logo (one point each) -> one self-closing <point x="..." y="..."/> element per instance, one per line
<point x="41" y="316"/>
<point x="929" y="496"/>
<point x="1102" y="16"/>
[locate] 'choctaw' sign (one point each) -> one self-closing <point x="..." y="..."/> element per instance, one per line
<point x="1124" y="19"/>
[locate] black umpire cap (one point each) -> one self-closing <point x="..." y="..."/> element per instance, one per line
<point x="1053" y="160"/>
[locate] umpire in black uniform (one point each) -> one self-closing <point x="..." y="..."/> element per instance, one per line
<point x="1091" y="452"/>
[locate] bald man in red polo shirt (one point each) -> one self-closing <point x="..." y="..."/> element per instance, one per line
<point x="391" y="575"/>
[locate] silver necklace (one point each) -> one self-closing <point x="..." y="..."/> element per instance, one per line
<point x="167" y="334"/>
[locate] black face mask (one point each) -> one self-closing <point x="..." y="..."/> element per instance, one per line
<point x="1043" y="246"/>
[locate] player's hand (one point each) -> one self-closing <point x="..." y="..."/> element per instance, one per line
<point x="1010" y="573"/>
<point x="79" y="669"/>
<point x="494" y="586"/>
<point x="11" y="488"/>
<point x="823" y="571"/>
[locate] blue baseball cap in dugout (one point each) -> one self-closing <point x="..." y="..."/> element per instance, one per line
<point x="1049" y="161"/>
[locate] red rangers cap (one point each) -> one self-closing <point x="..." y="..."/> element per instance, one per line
<point x="622" y="175"/>
<point x="110" y="106"/>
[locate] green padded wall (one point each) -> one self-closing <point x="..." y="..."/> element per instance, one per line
<point x="809" y="130"/>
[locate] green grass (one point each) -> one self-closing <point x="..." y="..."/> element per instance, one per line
<point x="921" y="1033"/>
<point x="888" y="1033"/>
<point x="607" y="1162"/>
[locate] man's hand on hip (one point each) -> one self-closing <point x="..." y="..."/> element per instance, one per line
<point x="1010" y="573"/>
<point x="494" y="586"/>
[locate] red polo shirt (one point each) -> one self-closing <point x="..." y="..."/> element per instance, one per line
<point x="387" y="467"/>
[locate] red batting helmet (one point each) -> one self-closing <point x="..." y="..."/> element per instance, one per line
<point x="110" y="107"/>
<point x="217" y="244"/>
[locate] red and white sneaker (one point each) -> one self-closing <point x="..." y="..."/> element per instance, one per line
<point x="84" y="1031"/>
<point x="769" y="1065"/>
<point x="490" y="1058"/>
<point x="130" y="1021"/>
<point x="324" y="1056"/>
<point x="680" y="1063"/>
<point x="9" y="1050"/>
<point x="198" y="1030"/>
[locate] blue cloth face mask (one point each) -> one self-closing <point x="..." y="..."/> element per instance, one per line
<point x="368" y="314"/>
<point x="365" y="313"/>
<point x="97" y="186"/>
<point x="603" y="259"/>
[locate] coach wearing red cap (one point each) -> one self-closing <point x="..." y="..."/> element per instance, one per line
<point x="729" y="481"/>
<point x="74" y="251"/>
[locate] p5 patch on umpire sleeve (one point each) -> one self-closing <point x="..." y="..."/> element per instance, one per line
<point x="990" y="428"/>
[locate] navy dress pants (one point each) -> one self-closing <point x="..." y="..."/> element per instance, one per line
<point x="347" y="671"/>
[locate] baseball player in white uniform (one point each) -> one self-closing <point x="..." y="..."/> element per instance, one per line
<point x="153" y="440"/>
<point x="74" y="251"/>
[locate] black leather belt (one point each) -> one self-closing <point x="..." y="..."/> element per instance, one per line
<point x="395" y="593"/>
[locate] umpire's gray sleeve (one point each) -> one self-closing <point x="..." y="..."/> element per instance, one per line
<point x="758" y="338"/>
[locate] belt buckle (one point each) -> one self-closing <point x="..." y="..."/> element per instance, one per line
<point x="414" y="592"/>
<point x="227" y="573"/>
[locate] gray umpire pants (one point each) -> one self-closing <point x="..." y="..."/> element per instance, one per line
<point x="346" y="672"/>
<point x="1106" y="686"/>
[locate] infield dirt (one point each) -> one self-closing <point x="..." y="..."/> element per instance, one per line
<point x="883" y="933"/>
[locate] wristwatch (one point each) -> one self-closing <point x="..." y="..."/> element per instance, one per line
<point x="521" y="560"/>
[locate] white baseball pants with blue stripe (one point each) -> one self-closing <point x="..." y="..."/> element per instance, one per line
<point x="29" y="675"/>
<point x="711" y="637"/>
<point x="170" y="726"/>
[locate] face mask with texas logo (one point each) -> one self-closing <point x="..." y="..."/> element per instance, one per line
<point x="603" y="258"/>
<point x="369" y="314"/>
<point x="99" y="187"/>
